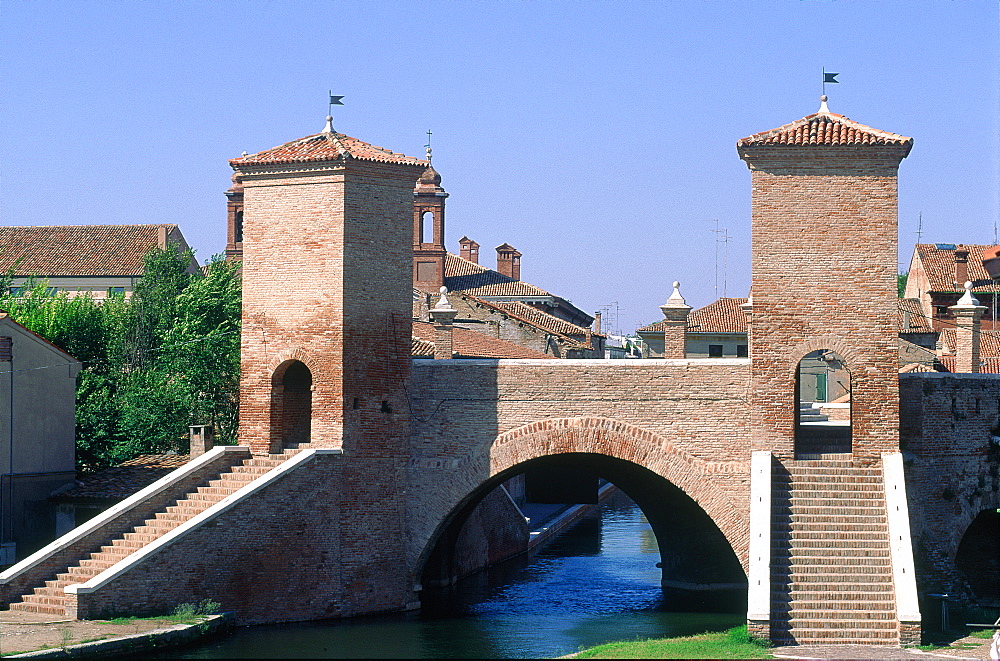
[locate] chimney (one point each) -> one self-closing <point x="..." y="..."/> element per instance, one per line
<point x="468" y="249"/>
<point x="442" y="316"/>
<point x="509" y="261"/>
<point x="967" y="313"/>
<point x="597" y="322"/>
<point x="202" y="439"/>
<point x="161" y="237"/>
<point x="961" y="266"/>
<point x="906" y="321"/>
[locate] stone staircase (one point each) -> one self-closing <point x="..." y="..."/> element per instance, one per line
<point x="807" y="413"/>
<point x="831" y="568"/>
<point x="50" y="597"/>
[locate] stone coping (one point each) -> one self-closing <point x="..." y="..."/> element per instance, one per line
<point x="107" y="516"/>
<point x="900" y="547"/>
<point x="136" y="643"/>
<point x="230" y="501"/>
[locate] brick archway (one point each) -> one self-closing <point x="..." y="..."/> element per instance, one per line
<point x="619" y="440"/>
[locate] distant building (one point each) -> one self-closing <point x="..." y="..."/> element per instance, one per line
<point x="101" y="260"/>
<point x="937" y="277"/>
<point x="37" y="437"/>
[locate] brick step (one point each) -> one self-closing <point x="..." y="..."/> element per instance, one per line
<point x="804" y="617"/>
<point x="832" y="561"/>
<point x="38" y="608"/>
<point x="45" y="599"/>
<point x="834" y="479"/>
<point x="837" y="514"/>
<point x="831" y="528"/>
<point x="244" y="469"/>
<point x="836" y="589"/>
<point x="78" y="574"/>
<point x="59" y="584"/>
<point x="140" y="537"/>
<point x="191" y="508"/>
<point x="262" y="463"/>
<point x="836" y="625"/>
<point x="876" y="577"/>
<point x="827" y="539"/>
<point x="230" y="479"/>
<point x="202" y="497"/>
<point x="48" y="591"/>
<point x="95" y="563"/>
<point x="114" y="550"/>
<point x="219" y="491"/>
<point x="799" y="500"/>
<point x="110" y="557"/>
<point x="880" y="601"/>
<point x="838" y="640"/>
<point x="847" y="550"/>
<point x="160" y="526"/>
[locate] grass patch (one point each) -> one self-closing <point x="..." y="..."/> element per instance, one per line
<point x="982" y="633"/>
<point x="183" y="614"/>
<point x="734" y="643"/>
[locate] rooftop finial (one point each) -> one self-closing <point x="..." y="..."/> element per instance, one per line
<point x="428" y="145"/>
<point x="443" y="303"/>
<point x="329" y="124"/>
<point x="822" y="104"/>
<point x="968" y="298"/>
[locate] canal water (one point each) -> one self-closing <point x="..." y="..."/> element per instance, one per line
<point x="595" y="583"/>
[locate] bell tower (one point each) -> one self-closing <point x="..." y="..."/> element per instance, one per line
<point x="428" y="229"/>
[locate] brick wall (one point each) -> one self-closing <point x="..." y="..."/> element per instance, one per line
<point x="683" y="420"/>
<point x="824" y="277"/>
<point x="949" y="423"/>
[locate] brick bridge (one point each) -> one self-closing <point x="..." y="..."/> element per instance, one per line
<point x="362" y="472"/>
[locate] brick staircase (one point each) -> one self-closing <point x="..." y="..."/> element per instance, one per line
<point x="831" y="569"/>
<point x="50" y="597"/>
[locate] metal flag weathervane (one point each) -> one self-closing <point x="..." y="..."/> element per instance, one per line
<point x="829" y="77"/>
<point x="334" y="101"/>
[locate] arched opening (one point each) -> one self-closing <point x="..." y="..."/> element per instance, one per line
<point x="291" y="405"/>
<point x="699" y="570"/>
<point x="427" y="227"/>
<point x="822" y="404"/>
<point x="979" y="559"/>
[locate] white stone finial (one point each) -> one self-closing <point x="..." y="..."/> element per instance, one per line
<point x="244" y="154"/>
<point x="329" y="124"/>
<point x="443" y="303"/>
<point x="822" y="104"/>
<point x="967" y="297"/>
<point x="429" y="154"/>
<point x="676" y="297"/>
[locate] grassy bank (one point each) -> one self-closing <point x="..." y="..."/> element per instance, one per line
<point x="732" y="644"/>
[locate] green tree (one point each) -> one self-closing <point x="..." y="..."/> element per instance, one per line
<point x="901" y="283"/>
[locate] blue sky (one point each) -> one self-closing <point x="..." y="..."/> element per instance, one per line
<point x="596" y="137"/>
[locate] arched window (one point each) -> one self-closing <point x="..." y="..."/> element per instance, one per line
<point x="427" y="227"/>
<point x="238" y="229"/>
<point x="822" y="404"/>
<point x="291" y="405"/>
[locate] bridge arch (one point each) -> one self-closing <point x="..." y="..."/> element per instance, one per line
<point x="646" y="466"/>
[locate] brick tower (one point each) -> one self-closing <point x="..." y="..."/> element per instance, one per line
<point x="824" y="291"/>
<point x="428" y="223"/>
<point x="326" y="335"/>
<point x="824" y="272"/>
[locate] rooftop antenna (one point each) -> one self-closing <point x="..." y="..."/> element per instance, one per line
<point x="334" y="101"/>
<point x="724" y="238"/>
<point x="717" y="233"/>
<point x="920" y="226"/>
<point x="428" y="145"/>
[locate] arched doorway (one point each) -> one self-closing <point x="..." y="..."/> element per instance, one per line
<point x="700" y="570"/>
<point x="291" y="405"/>
<point x="822" y="404"/>
<point x="979" y="558"/>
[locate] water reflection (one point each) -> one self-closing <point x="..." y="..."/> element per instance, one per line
<point x="596" y="583"/>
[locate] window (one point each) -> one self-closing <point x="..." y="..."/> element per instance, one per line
<point x="715" y="351"/>
<point x="15" y="291"/>
<point x="116" y="291"/>
<point x="741" y="351"/>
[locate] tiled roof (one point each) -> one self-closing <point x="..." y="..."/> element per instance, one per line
<point x="421" y="348"/>
<point x="470" y="278"/>
<point x="916" y="367"/>
<point x="324" y="147"/>
<point x="919" y="323"/>
<point x="989" y="342"/>
<point x="536" y="317"/>
<point x="722" y="316"/>
<point x="990" y="364"/>
<point x="726" y="316"/>
<point x="939" y="265"/>
<point x="470" y="344"/>
<point x="825" y="128"/>
<point x="124" y="479"/>
<point x="50" y="250"/>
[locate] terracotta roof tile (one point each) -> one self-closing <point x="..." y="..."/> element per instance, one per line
<point x="825" y="129"/>
<point x="537" y="317"/>
<point x="124" y="479"/>
<point x="726" y="316"/>
<point x="919" y="323"/>
<point x="939" y="265"/>
<point x="324" y="147"/>
<point x="470" y="344"/>
<point x="421" y="348"/>
<point x="989" y="342"/>
<point x="470" y="278"/>
<point x="84" y="250"/>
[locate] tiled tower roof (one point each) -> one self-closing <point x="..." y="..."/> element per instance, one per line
<point x="325" y="147"/>
<point x="465" y="276"/>
<point x="825" y="128"/>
